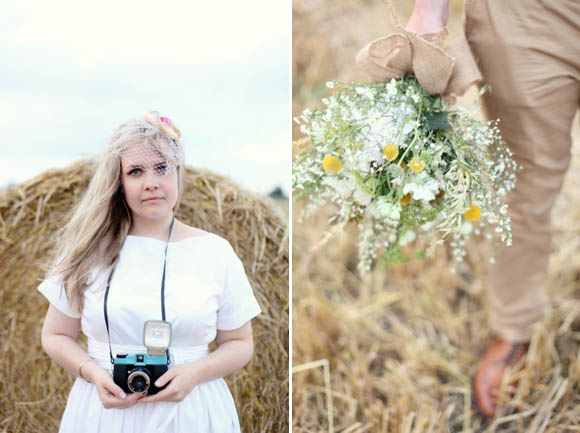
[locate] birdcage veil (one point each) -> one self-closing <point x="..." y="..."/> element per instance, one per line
<point x="149" y="142"/>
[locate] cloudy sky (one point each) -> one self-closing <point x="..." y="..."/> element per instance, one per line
<point x="72" y="71"/>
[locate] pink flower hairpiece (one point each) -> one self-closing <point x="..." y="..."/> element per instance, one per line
<point x="173" y="132"/>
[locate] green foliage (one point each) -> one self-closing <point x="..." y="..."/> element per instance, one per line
<point x="438" y="120"/>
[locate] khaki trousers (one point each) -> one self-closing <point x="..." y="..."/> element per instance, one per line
<point x="529" y="52"/>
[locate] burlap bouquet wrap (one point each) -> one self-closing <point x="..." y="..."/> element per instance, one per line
<point x="447" y="70"/>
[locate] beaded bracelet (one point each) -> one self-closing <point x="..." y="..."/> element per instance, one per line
<point x="81" y="366"/>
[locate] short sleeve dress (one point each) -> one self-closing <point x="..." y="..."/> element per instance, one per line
<point x="206" y="289"/>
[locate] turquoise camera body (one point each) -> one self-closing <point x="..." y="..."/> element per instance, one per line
<point x="137" y="373"/>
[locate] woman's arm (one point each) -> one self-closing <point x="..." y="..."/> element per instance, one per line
<point x="234" y="351"/>
<point x="59" y="334"/>
<point x="428" y="16"/>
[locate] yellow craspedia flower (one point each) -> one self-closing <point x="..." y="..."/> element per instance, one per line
<point x="405" y="200"/>
<point x="391" y="151"/>
<point x="417" y="165"/>
<point x="331" y="164"/>
<point x="473" y="213"/>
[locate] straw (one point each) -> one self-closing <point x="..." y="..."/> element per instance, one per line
<point x="403" y="342"/>
<point x="33" y="389"/>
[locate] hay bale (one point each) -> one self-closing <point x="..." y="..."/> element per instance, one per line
<point x="33" y="389"/>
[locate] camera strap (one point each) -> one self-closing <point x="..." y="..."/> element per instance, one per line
<point x="162" y="296"/>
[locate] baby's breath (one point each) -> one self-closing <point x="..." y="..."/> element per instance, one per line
<point x="406" y="167"/>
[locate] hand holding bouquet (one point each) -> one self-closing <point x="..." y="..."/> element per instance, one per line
<point x="398" y="160"/>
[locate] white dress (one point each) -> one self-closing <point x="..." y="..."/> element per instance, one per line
<point x="206" y="289"/>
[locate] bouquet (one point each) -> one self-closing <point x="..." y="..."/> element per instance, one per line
<point x="406" y="167"/>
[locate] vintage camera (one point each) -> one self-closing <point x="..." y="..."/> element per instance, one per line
<point x="137" y="373"/>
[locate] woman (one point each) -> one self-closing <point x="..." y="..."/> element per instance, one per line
<point x="121" y="249"/>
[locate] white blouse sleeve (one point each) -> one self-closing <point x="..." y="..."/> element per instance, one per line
<point x="56" y="295"/>
<point x="237" y="303"/>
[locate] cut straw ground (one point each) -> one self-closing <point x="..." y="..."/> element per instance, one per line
<point x="33" y="389"/>
<point x="403" y="342"/>
<point x="324" y="364"/>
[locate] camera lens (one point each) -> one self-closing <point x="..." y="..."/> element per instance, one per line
<point x="139" y="383"/>
<point x="139" y="380"/>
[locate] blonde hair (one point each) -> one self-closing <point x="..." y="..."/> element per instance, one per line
<point x="99" y="223"/>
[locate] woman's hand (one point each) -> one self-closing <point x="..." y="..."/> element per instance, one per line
<point x="59" y="333"/>
<point x="111" y="394"/>
<point x="181" y="379"/>
<point x="235" y="350"/>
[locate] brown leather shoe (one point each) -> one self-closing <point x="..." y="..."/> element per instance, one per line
<point x="500" y="354"/>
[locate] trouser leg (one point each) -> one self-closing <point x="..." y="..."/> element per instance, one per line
<point x="528" y="53"/>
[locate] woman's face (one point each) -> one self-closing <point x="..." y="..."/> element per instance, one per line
<point x="150" y="184"/>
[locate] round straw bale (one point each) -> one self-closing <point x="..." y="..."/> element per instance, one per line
<point x="33" y="389"/>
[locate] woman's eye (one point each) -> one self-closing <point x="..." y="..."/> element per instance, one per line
<point x="161" y="168"/>
<point x="135" y="171"/>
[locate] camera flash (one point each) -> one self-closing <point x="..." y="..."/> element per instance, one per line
<point x="156" y="336"/>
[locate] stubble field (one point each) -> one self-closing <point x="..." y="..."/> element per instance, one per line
<point x="402" y="343"/>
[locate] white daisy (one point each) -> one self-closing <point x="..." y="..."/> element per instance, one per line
<point x="422" y="187"/>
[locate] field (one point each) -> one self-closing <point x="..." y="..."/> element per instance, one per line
<point x="402" y="343"/>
